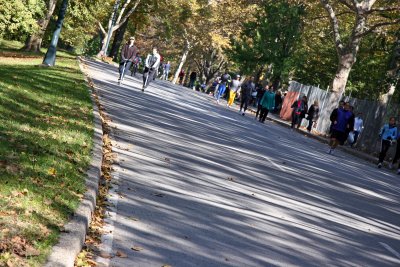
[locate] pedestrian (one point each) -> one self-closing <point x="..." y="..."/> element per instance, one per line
<point x="136" y="64"/>
<point x="278" y="101"/>
<point x="342" y="123"/>
<point x="313" y="115"/>
<point x="166" y="69"/>
<point x="128" y="54"/>
<point x="225" y="78"/>
<point x="181" y="76"/>
<point x="151" y="66"/>
<point x="260" y="94"/>
<point x="397" y="155"/>
<point x="299" y="110"/>
<point x="234" y="88"/>
<point x="247" y="88"/>
<point x="387" y="135"/>
<point x="358" y="127"/>
<point x="192" y="79"/>
<point x="267" y="103"/>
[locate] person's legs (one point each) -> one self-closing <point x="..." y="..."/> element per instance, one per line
<point x="259" y="108"/>
<point x="263" y="114"/>
<point x="221" y="91"/>
<point x="123" y="71"/>
<point x="310" y="123"/>
<point x="299" y="120"/>
<point x="231" y="97"/>
<point x="384" y="148"/>
<point x="246" y="103"/>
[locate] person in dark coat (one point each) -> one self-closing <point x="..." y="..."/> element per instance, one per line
<point x="313" y="115"/>
<point x="342" y="123"/>
<point x="128" y="54"/>
<point x="260" y="94"/>
<point x="247" y="88"/>
<point x="192" y="79"/>
<point x="278" y="101"/>
<point x="300" y="108"/>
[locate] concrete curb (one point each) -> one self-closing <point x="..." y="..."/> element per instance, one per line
<point x="64" y="253"/>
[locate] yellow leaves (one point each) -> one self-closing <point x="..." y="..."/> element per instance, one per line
<point x="52" y="172"/>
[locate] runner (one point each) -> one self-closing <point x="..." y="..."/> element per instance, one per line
<point x="128" y="54"/>
<point x="388" y="135"/>
<point x="222" y="85"/>
<point x="151" y="66"/>
<point x="267" y="103"/>
<point x="247" y="88"/>
<point x="234" y="88"/>
<point x="342" y="123"/>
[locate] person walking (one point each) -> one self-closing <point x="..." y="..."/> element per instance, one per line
<point x="192" y="79"/>
<point x="299" y="110"/>
<point x="247" y="88"/>
<point x="387" y="135"/>
<point x="358" y="128"/>
<point x="278" y="102"/>
<point x="151" y="66"/>
<point x="225" y="78"/>
<point x="342" y="123"/>
<point x="136" y="64"/>
<point x="397" y="155"/>
<point x="166" y="69"/>
<point x="313" y="115"/>
<point x="234" y="88"/>
<point x="181" y="76"/>
<point x="260" y="94"/>
<point x="128" y="54"/>
<point x="268" y="104"/>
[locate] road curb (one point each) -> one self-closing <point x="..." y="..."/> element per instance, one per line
<point x="70" y="242"/>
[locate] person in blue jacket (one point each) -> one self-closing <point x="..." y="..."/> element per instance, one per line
<point x="388" y="135"/>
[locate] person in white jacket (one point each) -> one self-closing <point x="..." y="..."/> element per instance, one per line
<point x="151" y="67"/>
<point x="358" y="127"/>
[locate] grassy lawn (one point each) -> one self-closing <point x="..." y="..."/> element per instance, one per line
<point x="45" y="141"/>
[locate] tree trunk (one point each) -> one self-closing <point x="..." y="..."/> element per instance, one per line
<point x="118" y="38"/>
<point x="183" y="60"/>
<point x="34" y="42"/>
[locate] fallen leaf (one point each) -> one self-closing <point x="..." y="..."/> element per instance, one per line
<point x="158" y="195"/>
<point x="137" y="248"/>
<point x="133" y="219"/>
<point x="121" y="254"/>
<point x="52" y="172"/>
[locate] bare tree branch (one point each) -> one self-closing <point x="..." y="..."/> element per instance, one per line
<point x="122" y="11"/>
<point x="378" y="25"/>
<point x="335" y="24"/>
<point x="117" y="26"/>
<point x="101" y="28"/>
<point x="384" y="9"/>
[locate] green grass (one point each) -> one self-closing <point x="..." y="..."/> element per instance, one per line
<point x="46" y="134"/>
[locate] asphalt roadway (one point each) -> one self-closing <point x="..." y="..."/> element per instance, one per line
<point x="200" y="185"/>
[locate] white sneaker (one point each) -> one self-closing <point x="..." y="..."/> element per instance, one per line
<point x="379" y="165"/>
<point x="217" y="101"/>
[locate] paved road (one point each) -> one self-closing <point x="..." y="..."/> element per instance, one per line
<point x="200" y="185"/>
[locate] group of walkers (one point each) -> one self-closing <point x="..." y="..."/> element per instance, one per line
<point x="345" y="126"/>
<point x="131" y="57"/>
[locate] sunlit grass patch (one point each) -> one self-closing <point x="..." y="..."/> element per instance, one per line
<point x="46" y="134"/>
